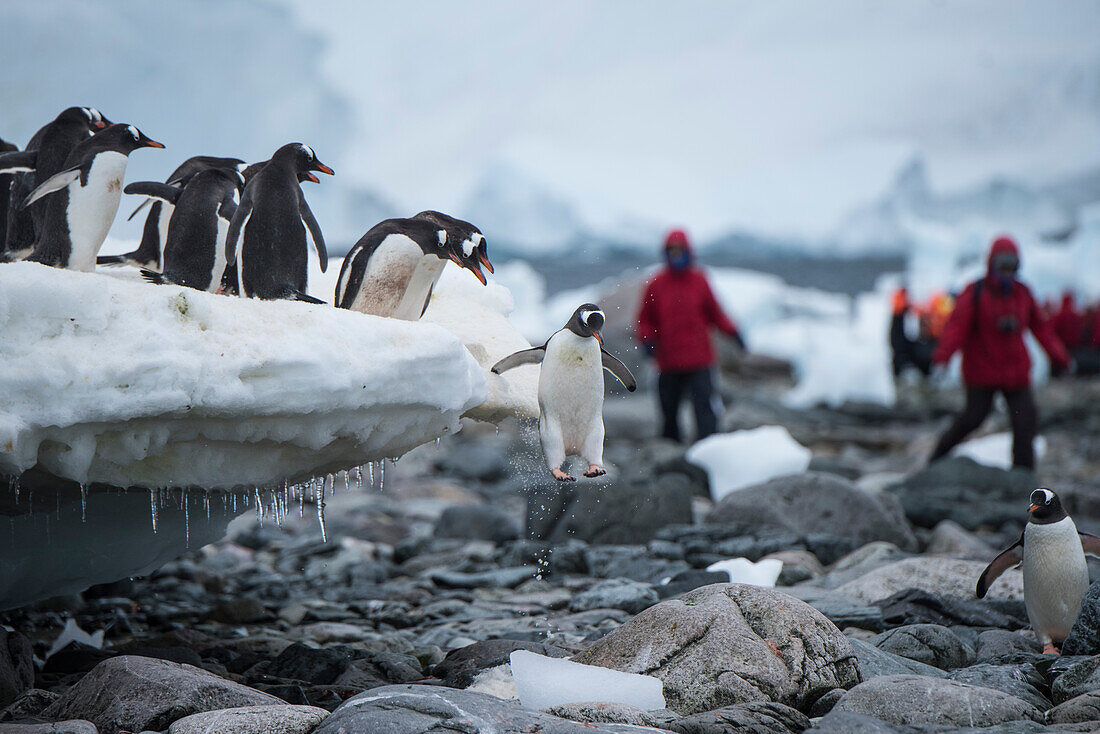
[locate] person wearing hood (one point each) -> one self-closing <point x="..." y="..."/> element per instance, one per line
<point x="674" y="322"/>
<point x="988" y="324"/>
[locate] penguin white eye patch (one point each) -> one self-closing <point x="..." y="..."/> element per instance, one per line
<point x="1046" y="495"/>
<point x="309" y="151"/>
<point x="134" y="132"/>
<point x="586" y="315"/>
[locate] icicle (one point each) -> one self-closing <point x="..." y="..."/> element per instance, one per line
<point x="370" y="470"/>
<point x="153" y="508"/>
<point x="329" y="487"/>
<point x="437" y="441"/>
<point x="83" y="502"/>
<point x="321" y="518"/>
<point x="301" y="500"/>
<point x="259" y="506"/>
<point x="186" y="520"/>
<point x="381" y="476"/>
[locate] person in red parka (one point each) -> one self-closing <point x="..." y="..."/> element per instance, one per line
<point x="988" y="325"/>
<point x="674" y="322"/>
<point x="1069" y="323"/>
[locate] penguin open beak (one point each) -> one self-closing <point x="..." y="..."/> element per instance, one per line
<point x="485" y="261"/>
<point x="311" y="177"/>
<point x="480" y="275"/>
<point x="324" y="169"/>
<point x="598" y="337"/>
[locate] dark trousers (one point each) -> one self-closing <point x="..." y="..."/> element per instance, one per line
<point x="1021" y="414"/>
<point x="671" y="387"/>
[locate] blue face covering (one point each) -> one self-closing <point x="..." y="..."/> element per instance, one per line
<point x="679" y="260"/>
<point x="1005" y="280"/>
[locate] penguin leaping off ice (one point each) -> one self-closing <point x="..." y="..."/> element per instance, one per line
<point x="571" y="390"/>
<point x="1055" y="575"/>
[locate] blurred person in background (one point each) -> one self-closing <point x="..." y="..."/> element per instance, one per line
<point x="988" y="324"/>
<point x="674" y="322"/>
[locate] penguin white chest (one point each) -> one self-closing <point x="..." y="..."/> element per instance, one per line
<point x="92" y="208"/>
<point x="218" y="268"/>
<point x="388" y="274"/>
<point x="1055" y="576"/>
<point x="571" y="386"/>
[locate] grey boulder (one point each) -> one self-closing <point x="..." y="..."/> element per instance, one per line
<point x="758" y="717"/>
<point x="477" y="522"/>
<point x="1022" y="681"/>
<point x="1080" y="677"/>
<point x="943" y="576"/>
<point x="931" y="644"/>
<point x="874" y="662"/>
<point x="146" y="693"/>
<point x="814" y="503"/>
<point x="284" y="719"/>
<point x="415" y="709"/>
<point x="630" y="596"/>
<point x="728" y="644"/>
<point x="904" y="699"/>
<point x="16" y="666"/>
<point x="1084" y="637"/>
<point x="73" y="726"/>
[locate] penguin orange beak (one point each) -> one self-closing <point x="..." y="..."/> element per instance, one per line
<point x="325" y="169"/>
<point x="454" y="259"/>
<point x="154" y="144"/>
<point x="480" y="275"/>
<point x="99" y="124"/>
<point x="1033" y="508"/>
<point x="311" y="177"/>
<point x="598" y="337"/>
<point x="485" y="261"/>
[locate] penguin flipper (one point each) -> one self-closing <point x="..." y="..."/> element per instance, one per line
<point x="54" y="183"/>
<point x="296" y="295"/>
<point x="18" y="161"/>
<point x="620" y="370"/>
<point x="154" y="189"/>
<point x="534" y="355"/>
<point x="244" y="209"/>
<point x="153" y="277"/>
<point x="314" y="230"/>
<point x="1090" y="544"/>
<point x="140" y="206"/>
<point x="1008" y="558"/>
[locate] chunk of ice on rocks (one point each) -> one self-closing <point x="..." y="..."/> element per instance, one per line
<point x="741" y="459"/>
<point x="744" y="571"/>
<point x="542" y="682"/>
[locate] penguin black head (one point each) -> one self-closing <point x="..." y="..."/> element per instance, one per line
<point x="89" y="118"/>
<point x="302" y="158"/>
<point x="1045" y="507"/>
<point x="463" y="242"/>
<point x="124" y="139"/>
<point x="587" y="321"/>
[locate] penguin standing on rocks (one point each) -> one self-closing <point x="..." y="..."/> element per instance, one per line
<point x="154" y="236"/>
<point x="194" y="255"/>
<point x="571" y="390"/>
<point x="84" y="198"/>
<point x="45" y="155"/>
<point x="1055" y="575"/>
<point x="268" y="232"/>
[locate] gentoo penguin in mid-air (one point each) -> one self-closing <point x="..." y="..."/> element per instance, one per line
<point x="83" y="198"/>
<point x="154" y="236"/>
<point x="202" y="210"/>
<point x="571" y="390"/>
<point x="45" y="155"/>
<point x="267" y="239"/>
<point x="1055" y="575"/>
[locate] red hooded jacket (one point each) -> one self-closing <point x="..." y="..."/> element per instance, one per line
<point x="989" y="328"/>
<point x="677" y="311"/>
<point x="1068" y="324"/>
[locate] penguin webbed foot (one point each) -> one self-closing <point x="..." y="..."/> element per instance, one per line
<point x="595" y="470"/>
<point x="1050" y="649"/>
<point x="562" y="476"/>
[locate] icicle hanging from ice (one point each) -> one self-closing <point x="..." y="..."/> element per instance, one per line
<point x="328" y="487"/>
<point x="381" y="476"/>
<point x="321" y="517"/>
<point x="259" y="506"/>
<point x="186" y="520"/>
<point x="370" y="470"/>
<point x="153" y="508"/>
<point x="83" y="502"/>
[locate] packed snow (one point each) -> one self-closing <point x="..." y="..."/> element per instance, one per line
<point x="764" y="572"/>
<point x="741" y="459"/>
<point x="995" y="449"/>
<point x="542" y="682"/>
<point x="112" y="380"/>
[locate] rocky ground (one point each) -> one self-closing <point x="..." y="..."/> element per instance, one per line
<point x="404" y="620"/>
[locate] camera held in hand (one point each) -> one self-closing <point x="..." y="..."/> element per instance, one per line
<point x="1008" y="324"/>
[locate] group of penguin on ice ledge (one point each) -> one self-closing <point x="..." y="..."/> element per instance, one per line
<point x="219" y="225"/>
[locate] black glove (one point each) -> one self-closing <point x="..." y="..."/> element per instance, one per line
<point x="736" y="336"/>
<point x="650" y="349"/>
